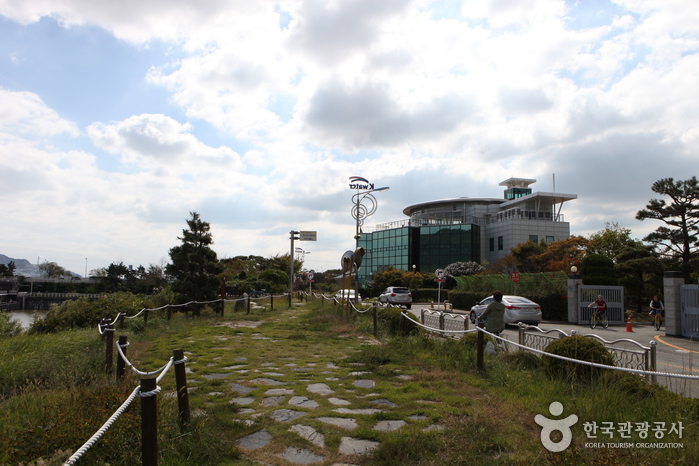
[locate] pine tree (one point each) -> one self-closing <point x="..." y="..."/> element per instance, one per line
<point x="194" y="264"/>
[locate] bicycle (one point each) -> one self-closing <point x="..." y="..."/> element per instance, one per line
<point x="598" y="317"/>
<point x="657" y="321"/>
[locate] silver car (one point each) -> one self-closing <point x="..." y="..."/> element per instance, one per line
<point x="517" y="309"/>
<point x="397" y="296"/>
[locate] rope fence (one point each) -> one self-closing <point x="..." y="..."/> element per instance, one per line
<point x="498" y="338"/>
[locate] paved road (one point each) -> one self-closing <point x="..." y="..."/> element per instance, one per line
<point x="674" y="354"/>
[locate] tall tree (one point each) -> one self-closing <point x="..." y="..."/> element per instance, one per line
<point x="52" y="270"/>
<point x="640" y="273"/>
<point x="194" y="264"/>
<point x="678" y="237"/>
<point x="611" y="241"/>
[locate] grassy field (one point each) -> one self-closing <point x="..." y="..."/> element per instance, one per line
<point x="54" y="396"/>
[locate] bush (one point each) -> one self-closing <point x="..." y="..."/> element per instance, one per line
<point x="428" y="295"/>
<point x="82" y="313"/>
<point x="394" y="323"/>
<point x="580" y="348"/>
<point x="9" y="327"/>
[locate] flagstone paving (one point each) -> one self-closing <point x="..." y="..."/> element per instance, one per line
<point x="317" y="401"/>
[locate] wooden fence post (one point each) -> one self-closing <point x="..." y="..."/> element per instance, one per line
<point x="271" y="302"/>
<point x="182" y="392"/>
<point x="375" y="319"/>
<point x="122" y="318"/>
<point x="109" y="350"/>
<point x="149" y="423"/>
<point x="121" y="363"/>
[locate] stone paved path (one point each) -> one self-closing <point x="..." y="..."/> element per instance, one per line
<point x="303" y="410"/>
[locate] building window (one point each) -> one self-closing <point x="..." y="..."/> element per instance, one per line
<point x="492" y="244"/>
<point x="500" y="243"/>
<point x="534" y="238"/>
<point x="549" y="239"/>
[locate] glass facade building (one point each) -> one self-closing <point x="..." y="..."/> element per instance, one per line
<point x="428" y="248"/>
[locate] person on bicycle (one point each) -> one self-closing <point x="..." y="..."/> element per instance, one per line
<point x="600" y="303"/>
<point x="496" y="315"/>
<point x="656" y="307"/>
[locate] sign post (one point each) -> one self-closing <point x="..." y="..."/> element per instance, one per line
<point x="514" y="276"/>
<point x="439" y="273"/>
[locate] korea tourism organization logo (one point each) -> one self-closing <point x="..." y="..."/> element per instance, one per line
<point x="607" y="434"/>
<point x="357" y="182"/>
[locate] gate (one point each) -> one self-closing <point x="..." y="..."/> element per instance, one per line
<point x="614" y="295"/>
<point x="689" y="310"/>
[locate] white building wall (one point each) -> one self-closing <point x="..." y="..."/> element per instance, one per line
<point x="515" y="232"/>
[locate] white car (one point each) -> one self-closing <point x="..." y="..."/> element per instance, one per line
<point x="397" y="296"/>
<point x="343" y="295"/>
<point x="517" y="309"/>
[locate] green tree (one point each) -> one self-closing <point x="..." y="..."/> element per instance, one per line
<point x="52" y="270"/>
<point x="640" y="273"/>
<point x="597" y="269"/>
<point x="678" y="237"/>
<point x="611" y="241"/>
<point x="7" y="270"/>
<point x="194" y="264"/>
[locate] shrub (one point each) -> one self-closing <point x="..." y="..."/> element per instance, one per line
<point x="428" y="295"/>
<point x="394" y="323"/>
<point x="580" y="348"/>
<point x="9" y="327"/>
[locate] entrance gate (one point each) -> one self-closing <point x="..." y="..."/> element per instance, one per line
<point x="614" y="295"/>
<point x="689" y="310"/>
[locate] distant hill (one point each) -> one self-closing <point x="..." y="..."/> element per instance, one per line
<point x="23" y="266"/>
<point x="26" y="268"/>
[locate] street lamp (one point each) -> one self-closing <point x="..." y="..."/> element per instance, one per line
<point x="361" y="211"/>
<point x="301" y="254"/>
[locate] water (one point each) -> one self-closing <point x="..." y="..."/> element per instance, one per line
<point x="26" y="317"/>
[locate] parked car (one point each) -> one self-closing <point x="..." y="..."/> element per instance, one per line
<point x="518" y="309"/>
<point x="397" y="295"/>
<point x="343" y="295"/>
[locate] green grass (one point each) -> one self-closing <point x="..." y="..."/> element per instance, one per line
<point x="55" y="396"/>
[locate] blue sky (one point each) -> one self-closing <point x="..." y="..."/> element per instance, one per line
<point x="117" y="120"/>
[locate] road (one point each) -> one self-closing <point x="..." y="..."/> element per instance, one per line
<point x="673" y="354"/>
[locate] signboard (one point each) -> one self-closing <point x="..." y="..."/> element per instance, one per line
<point x="514" y="276"/>
<point x="308" y="236"/>
<point x="439" y="273"/>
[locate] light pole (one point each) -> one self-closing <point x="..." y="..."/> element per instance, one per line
<point x="361" y="211"/>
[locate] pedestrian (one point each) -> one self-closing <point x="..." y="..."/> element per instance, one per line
<point x="496" y="315"/>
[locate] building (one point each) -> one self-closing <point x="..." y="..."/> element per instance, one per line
<point x="438" y="233"/>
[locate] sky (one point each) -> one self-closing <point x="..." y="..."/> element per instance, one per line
<point x="118" y="119"/>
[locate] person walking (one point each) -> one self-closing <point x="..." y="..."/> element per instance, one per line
<point x="496" y="315"/>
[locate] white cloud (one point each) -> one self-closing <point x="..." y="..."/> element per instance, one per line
<point x="295" y="96"/>
<point x="24" y="113"/>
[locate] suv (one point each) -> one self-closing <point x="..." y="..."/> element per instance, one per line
<point x="397" y="295"/>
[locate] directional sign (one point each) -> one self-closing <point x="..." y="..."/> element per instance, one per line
<point x="308" y="236"/>
<point x="439" y="273"/>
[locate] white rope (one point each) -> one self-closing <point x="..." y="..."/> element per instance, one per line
<point x="563" y="358"/>
<point x="81" y="451"/>
<point x="128" y="364"/>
